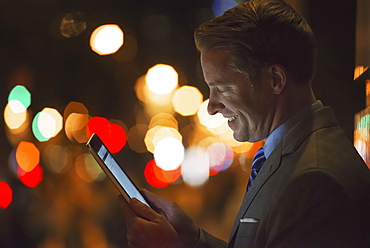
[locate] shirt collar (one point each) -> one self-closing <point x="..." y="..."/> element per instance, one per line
<point x="278" y="134"/>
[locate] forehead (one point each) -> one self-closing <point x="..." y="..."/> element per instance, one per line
<point x="215" y="64"/>
<point x="214" y="57"/>
<point x="217" y="70"/>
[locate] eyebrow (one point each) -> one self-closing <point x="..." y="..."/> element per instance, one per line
<point x="215" y="83"/>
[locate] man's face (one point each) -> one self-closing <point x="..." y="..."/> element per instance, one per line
<point x="249" y="106"/>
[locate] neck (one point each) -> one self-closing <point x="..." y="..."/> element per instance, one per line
<point x="291" y="101"/>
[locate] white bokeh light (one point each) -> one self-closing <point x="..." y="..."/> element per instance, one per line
<point x="195" y="167"/>
<point x="169" y="153"/>
<point x="16" y="106"/>
<point x="50" y="122"/>
<point x="106" y="39"/>
<point x="161" y="79"/>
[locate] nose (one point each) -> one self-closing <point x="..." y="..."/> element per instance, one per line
<point x="214" y="105"/>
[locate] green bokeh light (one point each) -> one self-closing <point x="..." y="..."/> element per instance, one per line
<point x="21" y="94"/>
<point x="36" y="130"/>
<point x="364" y="122"/>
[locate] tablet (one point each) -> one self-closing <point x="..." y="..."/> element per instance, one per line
<point x="110" y="166"/>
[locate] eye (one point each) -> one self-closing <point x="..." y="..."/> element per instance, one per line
<point x="220" y="90"/>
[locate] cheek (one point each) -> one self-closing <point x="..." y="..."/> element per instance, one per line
<point x="246" y="106"/>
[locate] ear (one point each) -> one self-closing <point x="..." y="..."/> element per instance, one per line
<point x="279" y="78"/>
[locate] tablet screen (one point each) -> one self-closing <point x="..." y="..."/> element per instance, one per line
<point x="110" y="166"/>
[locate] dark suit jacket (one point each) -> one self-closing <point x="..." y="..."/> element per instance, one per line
<point x="313" y="191"/>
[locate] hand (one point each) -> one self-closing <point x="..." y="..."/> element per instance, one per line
<point x="181" y="222"/>
<point x="147" y="228"/>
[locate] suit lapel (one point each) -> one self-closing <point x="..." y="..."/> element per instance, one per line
<point x="269" y="167"/>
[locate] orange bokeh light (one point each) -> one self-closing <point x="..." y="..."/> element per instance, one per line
<point x="27" y="156"/>
<point x="164" y="120"/>
<point x="186" y="100"/>
<point x="135" y="138"/>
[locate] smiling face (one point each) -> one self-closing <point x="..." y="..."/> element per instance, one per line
<point x="249" y="106"/>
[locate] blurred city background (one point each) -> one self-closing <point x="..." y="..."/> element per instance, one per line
<point x="129" y="71"/>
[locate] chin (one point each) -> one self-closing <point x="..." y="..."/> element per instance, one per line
<point x="246" y="138"/>
<point x="240" y="138"/>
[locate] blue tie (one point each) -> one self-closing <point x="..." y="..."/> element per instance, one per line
<point x="258" y="161"/>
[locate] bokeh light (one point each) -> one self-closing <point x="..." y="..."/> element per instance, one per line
<point x="161" y="79"/>
<point x="75" y="107"/>
<point x="36" y="130"/>
<point x="158" y="177"/>
<point x="164" y="120"/>
<point x="19" y="99"/>
<point x="220" y="6"/>
<point x="359" y="70"/>
<point x="154" y="103"/>
<point x="50" y="122"/>
<point x="186" y="100"/>
<point x="75" y="127"/>
<point x="73" y="24"/>
<point x="57" y="158"/>
<point x="112" y="135"/>
<point x="88" y="169"/>
<point x="361" y="147"/>
<point x="135" y="138"/>
<point x="24" y="132"/>
<point x="362" y="134"/>
<point x="363" y="127"/>
<point x="6" y="195"/>
<point x="12" y="119"/>
<point x="220" y="157"/>
<point x="76" y="117"/>
<point x="47" y="124"/>
<point x="195" y="167"/>
<point x="27" y="156"/>
<point x="141" y="89"/>
<point x="169" y="153"/>
<point x="32" y="178"/>
<point x="157" y="133"/>
<point x="16" y="106"/>
<point x="106" y="39"/>
<point x="150" y="173"/>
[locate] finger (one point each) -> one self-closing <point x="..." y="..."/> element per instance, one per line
<point x="143" y="210"/>
<point x="155" y="201"/>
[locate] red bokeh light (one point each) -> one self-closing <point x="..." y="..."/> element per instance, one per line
<point x="159" y="178"/>
<point x="6" y="195"/>
<point x="112" y="135"/>
<point x="151" y="177"/>
<point x="31" y="179"/>
<point x="166" y="176"/>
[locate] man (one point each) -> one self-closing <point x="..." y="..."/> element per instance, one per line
<point x="313" y="189"/>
